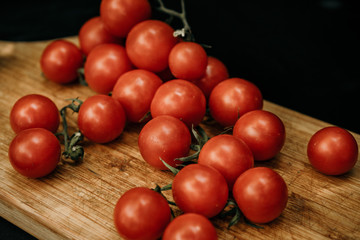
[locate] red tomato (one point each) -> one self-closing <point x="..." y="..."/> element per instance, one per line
<point x="34" y="152"/>
<point x="34" y="111"/>
<point x="141" y="213"/>
<point x="104" y="65"/>
<point x="149" y="43"/>
<point x="200" y="189"/>
<point x="215" y="72"/>
<point x="181" y="99"/>
<point x="332" y="151"/>
<point x="120" y="16"/>
<point x="229" y="155"/>
<point x="93" y="33"/>
<point x="262" y="131"/>
<point x="135" y="91"/>
<point x="188" y="60"/>
<point x="101" y="118"/>
<point x="60" y="61"/>
<point x="164" y="137"/>
<point x="190" y="226"/>
<point x="232" y="98"/>
<point x="261" y="194"/>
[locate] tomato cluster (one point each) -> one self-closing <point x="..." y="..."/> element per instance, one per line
<point x="167" y="83"/>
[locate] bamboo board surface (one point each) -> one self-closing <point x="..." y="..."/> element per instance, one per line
<point x="77" y="202"/>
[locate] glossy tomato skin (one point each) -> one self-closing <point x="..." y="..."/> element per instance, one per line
<point x="135" y="90"/>
<point x="188" y="60"/>
<point x="232" y="98"/>
<point x="93" y="33"/>
<point x="190" y="226"/>
<point x="141" y="214"/>
<point x="261" y="194"/>
<point x="101" y="118"/>
<point x="104" y="65"/>
<point x="120" y="16"/>
<point x="34" y="111"/>
<point x="34" y="152"/>
<point x="181" y="99"/>
<point x="164" y="137"/>
<point x="149" y="43"/>
<point x="215" y="72"/>
<point x="332" y="151"/>
<point x="262" y="131"/>
<point x="229" y="155"/>
<point x="200" y="189"/>
<point x="60" y="61"/>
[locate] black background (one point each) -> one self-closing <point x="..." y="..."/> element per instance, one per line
<point x="303" y="55"/>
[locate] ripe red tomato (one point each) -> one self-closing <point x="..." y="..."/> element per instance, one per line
<point x="200" y="189"/>
<point x="232" y="98"/>
<point x="332" y="151"/>
<point x="164" y="137"/>
<point x="120" y="16"/>
<point x="262" y="131"/>
<point x="215" y="72"/>
<point x="181" y="99"/>
<point x="149" y="43"/>
<point x="190" y="226"/>
<point x="60" y="61"/>
<point x="229" y="155"/>
<point x="141" y="213"/>
<point x="261" y="194"/>
<point x="135" y="91"/>
<point x="188" y="60"/>
<point x="93" y="33"/>
<point x="34" y="111"/>
<point x="104" y="65"/>
<point x="101" y="118"/>
<point x="34" y="152"/>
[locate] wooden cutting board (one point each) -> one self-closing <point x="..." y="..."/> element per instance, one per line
<point x="77" y="202"/>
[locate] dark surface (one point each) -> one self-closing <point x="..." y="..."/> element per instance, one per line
<point x="303" y="55"/>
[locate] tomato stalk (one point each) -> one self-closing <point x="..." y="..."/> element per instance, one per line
<point x="81" y="76"/>
<point x="159" y="190"/>
<point x="71" y="148"/>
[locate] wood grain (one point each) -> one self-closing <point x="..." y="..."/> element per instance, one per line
<point x="76" y="202"/>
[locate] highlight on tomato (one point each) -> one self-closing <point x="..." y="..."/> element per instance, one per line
<point x="332" y="150"/>
<point x="261" y="194"/>
<point x="34" y="111"/>
<point x="141" y="213"/>
<point x="232" y="98"/>
<point x="262" y="131"/>
<point x="164" y="138"/>
<point x="34" y="152"/>
<point x="60" y="61"/>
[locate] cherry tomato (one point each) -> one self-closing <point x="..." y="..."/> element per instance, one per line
<point x="188" y="60"/>
<point x="34" y="152"/>
<point x="164" y="137"/>
<point x="262" y="131"/>
<point x="101" y="118"/>
<point x="229" y="155"/>
<point x="190" y="226"/>
<point x="34" y="111"/>
<point x="332" y="151"/>
<point x="104" y="65"/>
<point x="93" y="33"/>
<point x="181" y="99"/>
<point x="215" y="72"/>
<point x="141" y="213"/>
<point x="60" y="61"/>
<point x="261" y="194"/>
<point x="200" y="189"/>
<point x="120" y="16"/>
<point x="149" y="43"/>
<point x="232" y="98"/>
<point x="135" y="91"/>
